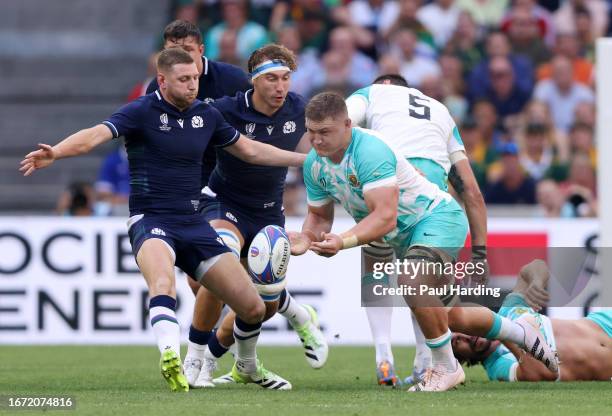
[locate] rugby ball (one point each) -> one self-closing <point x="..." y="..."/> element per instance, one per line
<point x="268" y="259"/>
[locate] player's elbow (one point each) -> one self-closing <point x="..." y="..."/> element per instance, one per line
<point x="472" y="195"/>
<point x="388" y="220"/>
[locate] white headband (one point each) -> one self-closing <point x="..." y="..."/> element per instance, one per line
<point x="269" y="66"/>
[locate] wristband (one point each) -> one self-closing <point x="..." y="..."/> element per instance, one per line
<point x="479" y="252"/>
<point x="350" y="241"/>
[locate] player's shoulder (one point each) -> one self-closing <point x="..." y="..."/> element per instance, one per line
<point x="296" y="102"/>
<point x="228" y="103"/>
<point x="140" y="104"/>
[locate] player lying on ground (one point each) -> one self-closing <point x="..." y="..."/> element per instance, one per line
<point x="243" y="198"/>
<point x="584" y="345"/>
<point x="423" y="132"/>
<point x="166" y="134"/>
<point x="390" y="201"/>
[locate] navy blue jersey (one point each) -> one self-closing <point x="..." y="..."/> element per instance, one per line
<point x="253" y="186"/>
<point x="165" y="148"/>
<point x="218" y="80"/>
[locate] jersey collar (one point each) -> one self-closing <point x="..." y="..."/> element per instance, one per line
<point x="205" y="61"/>
<point x="171" y="107"/>
<point x="249" y="105"/>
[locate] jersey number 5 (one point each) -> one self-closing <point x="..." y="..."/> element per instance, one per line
<point x="418" y="109"/>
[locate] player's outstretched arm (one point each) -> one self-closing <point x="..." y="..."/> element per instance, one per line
<point x="258" y="153"/>
<point x="76" y="144"/>
<point x="382" y="204"/>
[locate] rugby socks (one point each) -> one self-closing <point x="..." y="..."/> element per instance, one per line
<point x="295" y="313"/>
<point x="215" y="349"/>
<point x="442" y="351"/>
<point x="380" y="326"/>
<point x="422" y="358"/>
<point x="506" y="330"/>
<point x="198" y="340"/>
<point x="246" y="336"/>
<point x="164" y="323"/>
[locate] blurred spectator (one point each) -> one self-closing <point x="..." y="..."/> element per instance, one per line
<point x="141" y="88"/>
<point x="567" y="45"/>
<point x="431" y="86"/>
<point x="542" y="17"/>
<point x="581" y="140"/>
<point x="465" y="43"/>
<point x="598" y="9"/>
<point x="362" y="69"/>
<point x="485" y="116"/>
<point x="313" y="19"/>
<point x="76" y="201"/>
<point x="537" y="152"/>
<point x="581" y="173"/>
<point x="308" y="62"/>
<point x="228" y="49"/>
<point x="580" y="189"/>
<point x="585" y="112"/>
<point x="584" y="34"/>
<point x="186" y="10"/>
<point x="497" y="44"/>
<point x="537" y="112"/>
<point x="249" y="35"/>
<point x="479" y="154"/>
<point x="440" y="18"/>
<point x="562" y="93"/>
<point x="389" y="64"/>
<point x="407" y="19"/>
<point x="505" y="93"/>
<point x="513" y="186"/>
<point x="484" y="12"/>
<point x="413" y="67"/>
<point x="113" y="184"/>
<point x="377" y="16"/>
<point x="453" y="86"/>
<point x="365" y="37"/>
<point x="550" y="199"/>
<point x="526" y="37"/>
<point x="335" y="75"/>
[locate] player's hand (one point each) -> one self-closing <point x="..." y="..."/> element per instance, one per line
<point x="536" y="297"/>
<point x="329" y="245"/>
<point x="37" y="159"/>
<point x="300" y="243"/>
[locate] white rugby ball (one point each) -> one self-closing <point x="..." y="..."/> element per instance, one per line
<point x="268" y="259"/>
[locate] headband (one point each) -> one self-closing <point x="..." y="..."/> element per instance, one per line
<point x="269" y="66"/>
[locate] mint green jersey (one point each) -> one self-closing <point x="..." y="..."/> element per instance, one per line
<point x="368" y="163"/>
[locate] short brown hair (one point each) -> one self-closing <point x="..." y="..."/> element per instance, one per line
<point x="271" y="52"/>
<point x="181" y="29"/>
<point x="172" y="56"/>
<point x="324" y="105"/>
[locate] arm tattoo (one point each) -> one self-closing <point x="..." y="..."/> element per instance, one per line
<point x="455" y="180"/>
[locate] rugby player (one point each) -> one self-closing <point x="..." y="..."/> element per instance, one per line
<point x="584" y="345"/>
<point x="166" y="134"/>
<point x="389" y="200"/>
<point x="244" y="198"/>
<point x="424" y="133"/>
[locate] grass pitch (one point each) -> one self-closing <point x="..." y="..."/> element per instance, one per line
<point x="126" y="381"/>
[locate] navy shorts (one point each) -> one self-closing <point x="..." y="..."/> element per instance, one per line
<point x="191" y="238"/>
<point x="247" y="222"/>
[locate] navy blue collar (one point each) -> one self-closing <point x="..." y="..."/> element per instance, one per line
<point x="171" y="107"/>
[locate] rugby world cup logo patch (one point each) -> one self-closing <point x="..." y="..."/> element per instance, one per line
<point x="250" y="129"/>
<point x="353" y="180"/>
<point x="164" y="120"/>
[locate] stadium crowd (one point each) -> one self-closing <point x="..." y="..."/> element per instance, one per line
<point x="517" y="76"/>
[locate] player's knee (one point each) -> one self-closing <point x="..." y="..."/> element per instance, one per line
<point x="162" y="285"/>
<point x="457" y="319"/>
<point x="254" y="312"/>
<point x="231" y="240"/>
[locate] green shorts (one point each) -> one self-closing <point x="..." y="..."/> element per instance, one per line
<point x="432" y="171"/>
<point x="445" y="228"/>
<point x="603" y="319"/>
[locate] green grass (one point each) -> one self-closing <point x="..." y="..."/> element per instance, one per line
<point x="125" y="380"/>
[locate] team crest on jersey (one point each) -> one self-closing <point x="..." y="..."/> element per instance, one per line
<point x="353" y="180"/>
<point x="250" y="129"/>
<point x="270" y="128"/>
<point x="164" y="120"/>
<point x="197" y="122"/>
<point x="289" y="127"/>
<point x="209" y="100"/>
